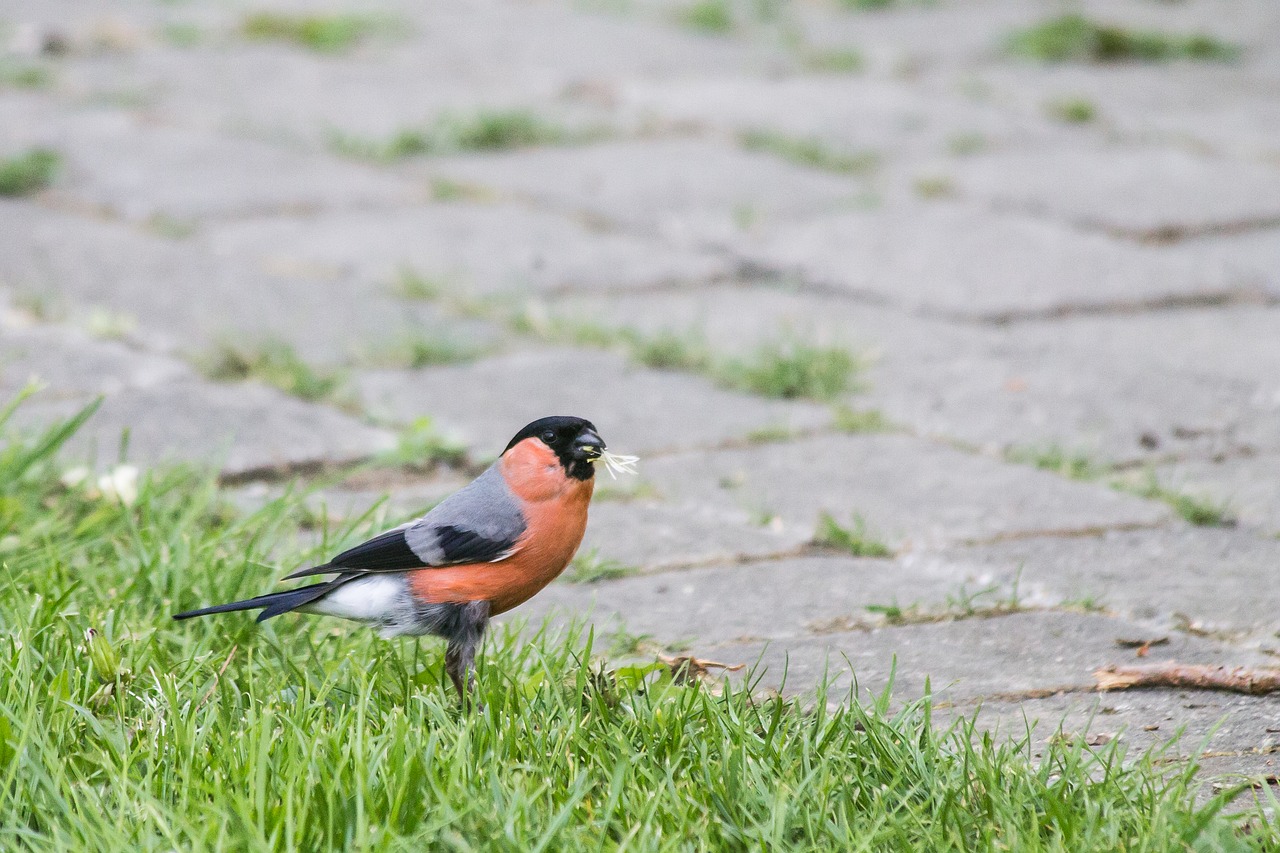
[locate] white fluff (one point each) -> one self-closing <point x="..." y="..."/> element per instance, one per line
<point x="615" y="463"/>
<point x="371" y="598"/>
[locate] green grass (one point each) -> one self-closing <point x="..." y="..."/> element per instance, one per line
<point x="421" y="447"/>
<point x="1072" y="110"/>
<point x="714" y="17"/>
<point x="276" y="363"/>
<point x="182" y="34"/>
<point x="1072" y="464"/>
<point x="415" y="351"/>
<point x="793" y="369"/>
<point x="1074" y="38"/>
<point x="320" y="33"/>
<point x="20" y="75"/>
<point x="590" y="567"/>
<point x="934" y="186"/>
<point x="788" y="368"/>
<point x="123" y="730"/>
<point x="28" y="172"/>
<point x="810" y="152"/>
<point x="1195" y="509"/>
<point x="486" y="130"/>
<point x="859" y="421"/>
<point x="854" y="539"/>
<point x="834" y="60"/>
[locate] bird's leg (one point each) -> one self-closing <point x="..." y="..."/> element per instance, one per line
<point x="460" y="656"/>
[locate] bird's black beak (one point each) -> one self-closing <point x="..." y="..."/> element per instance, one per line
<point x="588" y="445"/>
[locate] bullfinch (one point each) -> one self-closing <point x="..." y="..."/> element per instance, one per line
<point x="482" y="551"/>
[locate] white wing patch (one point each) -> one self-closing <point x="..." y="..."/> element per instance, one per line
<point x="371" y="598"/>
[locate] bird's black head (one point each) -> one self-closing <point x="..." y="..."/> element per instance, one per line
<point x="574" y="441"/>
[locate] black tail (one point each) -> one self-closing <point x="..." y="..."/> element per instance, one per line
<point x="272" y="604"/>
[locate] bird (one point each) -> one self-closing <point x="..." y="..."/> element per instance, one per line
<point x="485" y="549"/>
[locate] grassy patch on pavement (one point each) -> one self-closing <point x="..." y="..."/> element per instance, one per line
<point x="276" y="363"/>
<point x="485" y="130"/>
<point x="854" y="539"/>
<point x="789" y="368"/>
<point x="28" y="172"/>
<point x="1195" y="509"/>
<point x="1075" y="38"/>
<point x="123" y="730"/>
<point x="320" y="33"/>
<point x="811" y="152"/>
<point x="714" y="17"/>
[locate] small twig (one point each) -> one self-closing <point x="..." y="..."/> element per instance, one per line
<point x="226" y="663"/>
<point x="686" y="669"/>
<point x="1255" y="682"/>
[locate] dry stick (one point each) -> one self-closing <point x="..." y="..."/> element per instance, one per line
<point x="1255" y="682"/>
<point x="226" y="663"/>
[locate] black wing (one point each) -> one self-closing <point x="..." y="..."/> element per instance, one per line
<point x="390" y="552"/>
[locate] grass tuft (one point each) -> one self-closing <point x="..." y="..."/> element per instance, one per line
<point x="420" y="447"/>
<point x="708" y="16"/>
<point x="810" y="152"/>
<point x="1074" y="465"/>
<point x="24" y="75"/>
<point x="1198" y="510"/>
<point x="859" y="421"/>
<point x="275" y="363"/>
<point x="123" y="730"/>
<point x="320" y="33"/>
<point x="590" y="567"/>
<point x="854" y="540"/>
<point x="793" y="369"/>
<point x="788" y="369"/>
<point x="497" y="130"/>
<point x="415" y="351"/>
<point x="1072" y="110"/>
<point x="29" y="172"/>
<point x="834" y="60"/>
<point x="1074" y="38"/>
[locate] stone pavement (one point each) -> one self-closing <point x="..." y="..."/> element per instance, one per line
<point x="1064" y="431"/>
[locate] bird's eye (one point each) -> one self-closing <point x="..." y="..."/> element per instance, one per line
<point x="549" y="436"/>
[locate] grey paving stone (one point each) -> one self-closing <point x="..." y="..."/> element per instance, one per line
<point x="241" y="430"/>
<point x="1248" y="486"/>
<point x="72" y="365"/>
<point x="968" y="659"/>
<point x="689" y="191"/>
<point x="139" y="171"/>
<point x="1216" y="579"/>
<point x="1110" y="387"/>
<point x="1231" y="109"/>
<point x="1195" y="722"/>
<point x="1135" y="191"/>
<point x="444" y="58"/>
<point x="784" y="600"/>
<point x="471" y="248"/>
<point x="168" y="413"/>
<point x="910" y="492"/>
<point x="638" y="410"/>
<point x="652" y="535"/>
<point x="959" y="260"/>
<point x="175" y="296"/>
<point x="909" y="38"/>
<point x="883" y="118"/>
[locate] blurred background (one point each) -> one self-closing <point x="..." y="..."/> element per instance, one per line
<point x="894" y="298"/>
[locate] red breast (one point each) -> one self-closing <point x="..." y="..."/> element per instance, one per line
<point x="555" y="511"/>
